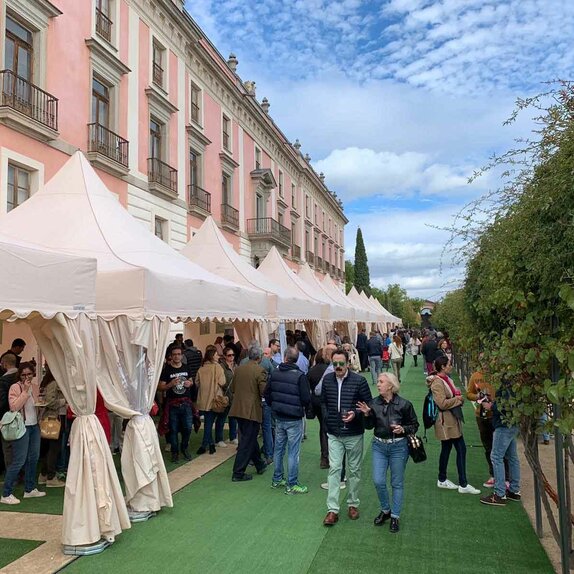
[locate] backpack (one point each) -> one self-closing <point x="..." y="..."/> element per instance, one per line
<point x="12" y="426"/>
<point x="430" y="412"/>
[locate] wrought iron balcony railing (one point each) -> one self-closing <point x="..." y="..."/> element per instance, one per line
<point x="104" y="141"/>
<point x="28" y="99"/>
<point x="198" y="197"/>
<point x="161" y="173"/>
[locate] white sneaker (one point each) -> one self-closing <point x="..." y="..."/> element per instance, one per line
<point x="325" y="485"/>
<point x="221" y="444"/>
<point x="235" y="441"/>
<point x="34" y="494"/>
<point x="446" y="484"/>
<point x="468" y="489"/>
<point x="9" y="500"/>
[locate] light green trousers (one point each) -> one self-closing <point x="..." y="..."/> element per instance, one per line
<point x="352" y="446"/>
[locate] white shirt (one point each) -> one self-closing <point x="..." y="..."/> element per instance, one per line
<point x="30" y="412"/>
<point x="339" y="385"/>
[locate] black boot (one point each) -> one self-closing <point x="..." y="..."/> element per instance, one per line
<point x="382" y="518"/>
<point x="211" y="449"/>
<point x="394" y="525"/>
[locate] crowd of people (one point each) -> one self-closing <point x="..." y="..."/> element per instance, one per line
<point x="259" y="391"/>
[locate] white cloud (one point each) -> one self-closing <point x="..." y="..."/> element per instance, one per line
<point x="356" y="172"/>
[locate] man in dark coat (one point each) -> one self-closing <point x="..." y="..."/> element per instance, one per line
<point x="362" y="349"/>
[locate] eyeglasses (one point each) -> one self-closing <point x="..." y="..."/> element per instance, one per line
<point x="230" y="355"/>
<point x="339" y="363"/>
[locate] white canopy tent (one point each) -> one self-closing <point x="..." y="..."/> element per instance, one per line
<point x="141" y="282"/>
<point x="336" y="294"/>
<point x="390" y="318"/>
<point x="368" y="315"/>
<point x="274" y="267"/>
<point x="44" y="282"/>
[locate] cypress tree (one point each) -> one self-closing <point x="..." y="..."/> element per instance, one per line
<point x="362" y="278"/>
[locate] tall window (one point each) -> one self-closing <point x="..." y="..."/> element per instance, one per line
<point x="281" y="218"/>
<point x="19" y="49"/>
<point x="316" y="215"/>
<point x="18" y="186"/>
<point x="158" y="64"/>
<point x="103" y="19"/>
<point x="307" y="207"/>
<point x="155" y="138"/>
<point x="307" y="241"/>
<point x="294" y="233"/>
<point x="281" y="186"/>
<point x="159" y="228"/>
<point x="293" y="196"/>
<point x="225" y="189"/>
<point x="257" y="158"/>
<point x="100" y="103"/>
<point x="195" y="103"/>
<point x="226" y="133"/>
<point x="193" y="168"/>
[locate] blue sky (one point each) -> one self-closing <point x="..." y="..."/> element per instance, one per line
<point x="397" y="102"/>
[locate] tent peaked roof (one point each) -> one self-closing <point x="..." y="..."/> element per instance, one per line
<point x="329" y="286"/>
<point x="209" y="248"/>
<point x="389" y="316"/>
<point x="369" y="314"/>
<point x="274" y="267"/>
<point x="138" y="274"/>
<point x="44" y="282"/>
<point x="369" y="305"/>
<point x="338" y="312"/>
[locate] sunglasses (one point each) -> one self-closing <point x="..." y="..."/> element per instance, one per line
<point x="230" y="355"/>
<point x="339" y="363"/>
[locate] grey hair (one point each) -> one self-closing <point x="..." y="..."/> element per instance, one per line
<point x="291" y="355"/>
<point x="255" y="352"/>
<point x="393" y="380"/>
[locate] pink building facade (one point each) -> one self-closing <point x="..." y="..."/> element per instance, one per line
<point x="165" y="120"/>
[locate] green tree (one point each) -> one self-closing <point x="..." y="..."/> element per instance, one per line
<point x="362" y="278"/>
<point x="349" y="275"/>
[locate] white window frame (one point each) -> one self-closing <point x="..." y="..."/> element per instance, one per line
<point x="35" y="168"/>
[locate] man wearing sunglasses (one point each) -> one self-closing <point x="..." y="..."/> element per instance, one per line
<point x="340" y="392"/>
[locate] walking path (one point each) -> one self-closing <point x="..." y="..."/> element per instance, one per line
<point x="217" y="526"/>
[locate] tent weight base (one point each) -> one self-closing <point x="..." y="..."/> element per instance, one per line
<point x="86" y="550"/>
<point x="136" y="516"/>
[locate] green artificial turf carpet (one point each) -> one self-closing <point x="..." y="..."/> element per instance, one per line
<point x="217" y="526"/>
<point x="11" y="550"/>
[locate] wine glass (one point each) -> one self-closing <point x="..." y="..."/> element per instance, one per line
<point x="344" y="415"/>
<point x="395" y="422"/>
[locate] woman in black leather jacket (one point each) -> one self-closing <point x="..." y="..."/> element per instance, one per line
<point x="393" y="418"/>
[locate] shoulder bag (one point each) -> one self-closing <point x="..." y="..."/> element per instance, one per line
<point x="12" y="426"/>
<point x="50" y="428"/>
<point x="416" y="449"/>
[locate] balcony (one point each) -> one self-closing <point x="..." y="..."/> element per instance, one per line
<point x="198" y="200"/>
<point x="295" y="252"/>
<point x="103" y="26"/>
<point x="229" y="217"/>
<point x="162" y="178"/>
<point x="107" y="149"/>
<point x="318" y="263"/>
<point x="27" y="108"/>
<point x="310" y="258"/>
<point x="266" y="232"/>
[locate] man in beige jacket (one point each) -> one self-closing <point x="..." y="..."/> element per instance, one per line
<point x="249" y="382"/>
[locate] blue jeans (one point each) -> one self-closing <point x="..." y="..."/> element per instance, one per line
<point x="25" y="454"/>
<point x="209" y="417"/>
<point x="394" y="455"/>
<point x="180" y="420"/>
<point x="232" y="428"/>
<point x="504" y="446"/>
<point x="376" y="366"/>
<point x="288" y="433"/>
<point x="266" y="429"/>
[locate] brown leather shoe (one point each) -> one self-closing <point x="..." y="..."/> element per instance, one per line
<point x="331" y="519"/>
<point x="353" y="512"/>
<point x="324" y="463"/>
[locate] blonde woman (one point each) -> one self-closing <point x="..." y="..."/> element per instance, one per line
<point x="396" y="352"/>
<point x="211" y="382"/>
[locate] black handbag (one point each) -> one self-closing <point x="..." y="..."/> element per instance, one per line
<point x="416" y="449"/>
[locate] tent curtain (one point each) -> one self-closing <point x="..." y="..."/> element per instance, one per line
<point x="133" y="352"/>
<point x="248" y="331"/>
<point x="94" y="507"/>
